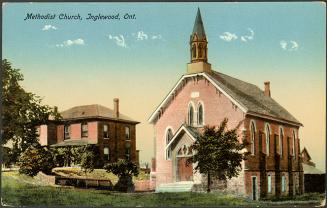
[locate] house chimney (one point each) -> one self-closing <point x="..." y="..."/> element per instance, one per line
<point x="267" y="88"/>
<point x="116" y="107"/>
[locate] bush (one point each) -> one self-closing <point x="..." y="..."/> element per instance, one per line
<point x="35" y="159"/>
<point x="125" y="170"/>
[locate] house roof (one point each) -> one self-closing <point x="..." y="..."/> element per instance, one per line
<point x="248" y="97"/>
<point x="93" y="111"/>
<point x="308" y="169"/>
<point x="198" y="28"/>
<point x="305" y="151"/>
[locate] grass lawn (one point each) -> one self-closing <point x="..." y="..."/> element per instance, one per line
<point x="21" y="190"/>
<point x="73" y="172"/>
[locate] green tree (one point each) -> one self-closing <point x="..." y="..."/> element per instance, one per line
<point x="125" y="170"/>
<point x="218" y="153"/>
<point x="21" y="111"/>
<point x="34" y="159"/>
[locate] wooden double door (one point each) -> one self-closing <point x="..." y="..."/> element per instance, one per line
<point x="184" y="170"/>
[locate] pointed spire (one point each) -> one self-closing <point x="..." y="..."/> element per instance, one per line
<point x="198" y="28"/>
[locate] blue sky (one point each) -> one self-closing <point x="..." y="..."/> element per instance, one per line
<point x="81" y="62"/>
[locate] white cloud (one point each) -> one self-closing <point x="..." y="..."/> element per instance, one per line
<point x="154" y="37"/>
<point x="227" y="36"/>
<point x="289" y="45"/>
<point x="119" y="40"/>
<point x="49" y="27"/>
<point x="141" y="36"/>
<point x="245" y="38"/>
<point x="69" y="43"/>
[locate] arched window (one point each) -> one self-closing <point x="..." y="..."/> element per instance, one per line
<point x="200" y="115"/>
<point x="169" y="136"/>
<point x="293" y="145"/>
<point x="190" y="115"/>
<point x="200" y="51"/>
<point x="252" y="129"/>
<point x="281" y="136"/>
<point x="267" y="139"/>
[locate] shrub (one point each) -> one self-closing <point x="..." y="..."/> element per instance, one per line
<point x="125" y="170"/>
<point x="35" y="159"/>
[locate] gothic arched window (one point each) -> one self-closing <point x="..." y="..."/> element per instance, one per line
<point x="200" y="115"/>
<point x="190" y="115"/>
<point x="267" y="139"/>
<point x="169" y="136"/>
<point x="252" y="129"/>
<point x="200" y="51"/>
<point x="193" y="51"/>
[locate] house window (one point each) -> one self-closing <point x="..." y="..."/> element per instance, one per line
<point x="200" y="115"/>
<point x="267" y="139"/>
<point x="84" y="130"/>
<point x="283" y="184"/>
<point x="105" y="131"/>
<point x="106" y="154"/>
<point x="252" y="138"/>
<point x="127" y="133"/>
<point x="128" y="153"/>
<point x="281" y="136"/>
<point x="293" y="145"/>
<point x="66" y="131"/>
<point x="169" y="136"/>
<point x="269" y="183"/>
<point x="190" y="115"/>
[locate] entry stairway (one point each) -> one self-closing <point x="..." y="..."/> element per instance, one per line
<point x="182" y="186"/>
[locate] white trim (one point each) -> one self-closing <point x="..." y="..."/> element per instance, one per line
<point x="177" y="133"/>
<point x="151" y="119"/>
<point x="252" y="121"/>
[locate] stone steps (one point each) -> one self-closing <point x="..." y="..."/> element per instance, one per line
<point x="183" y="186"/>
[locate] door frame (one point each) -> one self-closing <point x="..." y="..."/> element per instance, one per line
<point x="254" y="196"/>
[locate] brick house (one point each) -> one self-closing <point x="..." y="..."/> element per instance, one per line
<point x="113" y="132"/>
<point x="203" y="96"/>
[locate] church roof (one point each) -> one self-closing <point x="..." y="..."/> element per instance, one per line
<point x="248" y="97"/>
<point x="308" y="169"/>
<point x="93" y="111"/>
<point x="198" y="28"/>
<point x="252" y="97"/>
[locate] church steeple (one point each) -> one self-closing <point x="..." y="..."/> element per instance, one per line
<point x="198" y="48"/>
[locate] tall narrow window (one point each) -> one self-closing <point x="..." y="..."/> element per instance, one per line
<point x="200" y="115"/>
<point x="66" y="131"/>
<point x="127" y="133"/>
<point x="281" y="136"/>
<point x="267" y="139"/>
<point x="293" y="145"/>
<point x="252" y="138"/>
<point x="85" y="130"/>
<point x="169" y="136"/>
<point x="106" y="154"/>
<point x="269" y="183"/>
<point x="283" y="184"/>
<point x="190" y="115"/>
<point x="105" y="131"/>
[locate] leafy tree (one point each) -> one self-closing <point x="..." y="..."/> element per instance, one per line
<point x="88" y="159"/>
<point x="34" y="159"/>
<point x="217" y="153"/>
<point x="125" y="170"/>
<point x="21" y="111"/>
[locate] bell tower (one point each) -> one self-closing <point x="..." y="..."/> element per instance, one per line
<point x="198" y="48"/>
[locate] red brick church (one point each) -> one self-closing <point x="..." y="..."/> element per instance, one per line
<point x="202" y="97"/>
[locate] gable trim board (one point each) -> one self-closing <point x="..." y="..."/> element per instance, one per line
<point x="216" y="83"/>
<point x="182" y="128"/>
